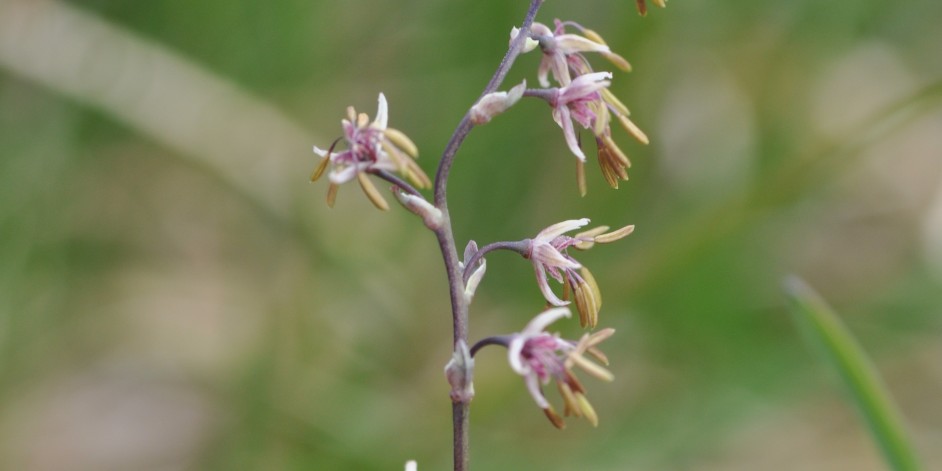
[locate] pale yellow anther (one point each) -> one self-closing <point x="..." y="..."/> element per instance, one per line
<point x="587" y="239"/>
<point x="592" y="35"/>
<point x="591" y="368"/>
<point x="618" y="61"/>
<point x="615" y="235"/>
<point x="587" y="409"/>
<point x="598" y="337"/>
<point x="603" y="117"/>
<point x="402" y="141"/>
<point x="616" y="152"/>
<point x="332" y="194"/>
<point x="582" y="305"/>
<point x="396" y="155"/>
<point x="660" y="3"/>
<point x="372" y="193"/>
<point x="594" y="286"/>
<point x="633" y="129"/>
<point x="362" y="120"/>
<point x="592" y="232"/>
<point x="612" y="100"/>
<point x="598" y="355"/>
<point x="606" y="166"/>
<point x="569" y="399"/>
<point x="320" y="168"/>
<point x="587" y="303"/>
<point x="351" y="114"/>
<point x="580" y="178"/>
<point x="417" y="176"/>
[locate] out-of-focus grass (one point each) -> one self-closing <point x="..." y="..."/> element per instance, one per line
<point x="134" y="279"/>
<point x="864" y="384"/>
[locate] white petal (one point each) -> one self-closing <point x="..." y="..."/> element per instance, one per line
<point x="319" y="151"/>
<point x="474" y="280"/>
<point x="570" y="43"/>
<point x="550" y="257"/>
<point x="412" y="466"/>
<point x="559" y="229"/>
<point x="543" y="71"/>
<point x="561" y="69"/>
<point x="382" y="113"/>
<point x="513" y="355"/>
<point x="584" y="85"/>
<point x="548" y="293"/>
<point x="539" y="323"/>
<point x="569" y="132"/>
<point x="533" y="385"/>
<point x="343" y="175"/>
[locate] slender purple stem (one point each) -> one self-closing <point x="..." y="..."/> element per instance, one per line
<point x="519" y="246"/>
<point x="550" y="95"/>
<point x="395" y="180"/>
<point x="446" y="237"/>
<point x="503" y="340"/>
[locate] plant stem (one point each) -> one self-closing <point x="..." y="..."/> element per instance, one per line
<point x="402" y="184"/>
<point x="446" y="237"/>
<point x="519" y="246"/>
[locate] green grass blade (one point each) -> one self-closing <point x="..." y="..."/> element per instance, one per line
<point x="863" y="382"/>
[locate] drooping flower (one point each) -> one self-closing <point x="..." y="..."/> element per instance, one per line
<point x="581" y="102"/>
<point x="583" y="96"/>
<point x="563" y="53"/>
<point x="539" y="357"/>
<point x="588" y="102"/>
<point x="371" y="146"/>
<point x="548" y="253"/>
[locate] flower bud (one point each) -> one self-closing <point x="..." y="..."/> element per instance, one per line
<point x="495" y="103"/>
<point x="460" y="374"/>
<point x="431" y="216"/>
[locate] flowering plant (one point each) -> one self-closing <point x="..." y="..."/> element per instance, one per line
<point x="581" y="96"/>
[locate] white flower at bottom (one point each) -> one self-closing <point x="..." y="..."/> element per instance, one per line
<point x="539" y="357"/>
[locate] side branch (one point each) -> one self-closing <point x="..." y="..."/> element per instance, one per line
<point x="520" y="246"/>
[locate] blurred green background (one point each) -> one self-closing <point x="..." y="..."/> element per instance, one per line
<point x="174" y="294"/>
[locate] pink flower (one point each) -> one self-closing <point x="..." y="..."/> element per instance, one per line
<point x="588" y="102"/>
<point x="371" y="146"/>
<point x="563" y="52"/>
<point x="584" y="97"/>
<point x="539" y="357"/>
<point x="581" y="101"/>
<point x="549" y="254"/>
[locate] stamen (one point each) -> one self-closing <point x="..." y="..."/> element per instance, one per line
<point x="332" y="194"/>
<point x="372" y="193"/>
<point x="615" y="235"/>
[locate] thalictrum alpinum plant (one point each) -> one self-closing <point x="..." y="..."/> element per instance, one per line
<point x="579" y="97"/>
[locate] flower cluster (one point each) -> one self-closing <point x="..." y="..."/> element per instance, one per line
<point x="539" y="357"/>
<point x="580" y="97"/>
<point x="371" y="147"/>
<point x="583" y="96"/>
<point x="549" y="254"/>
